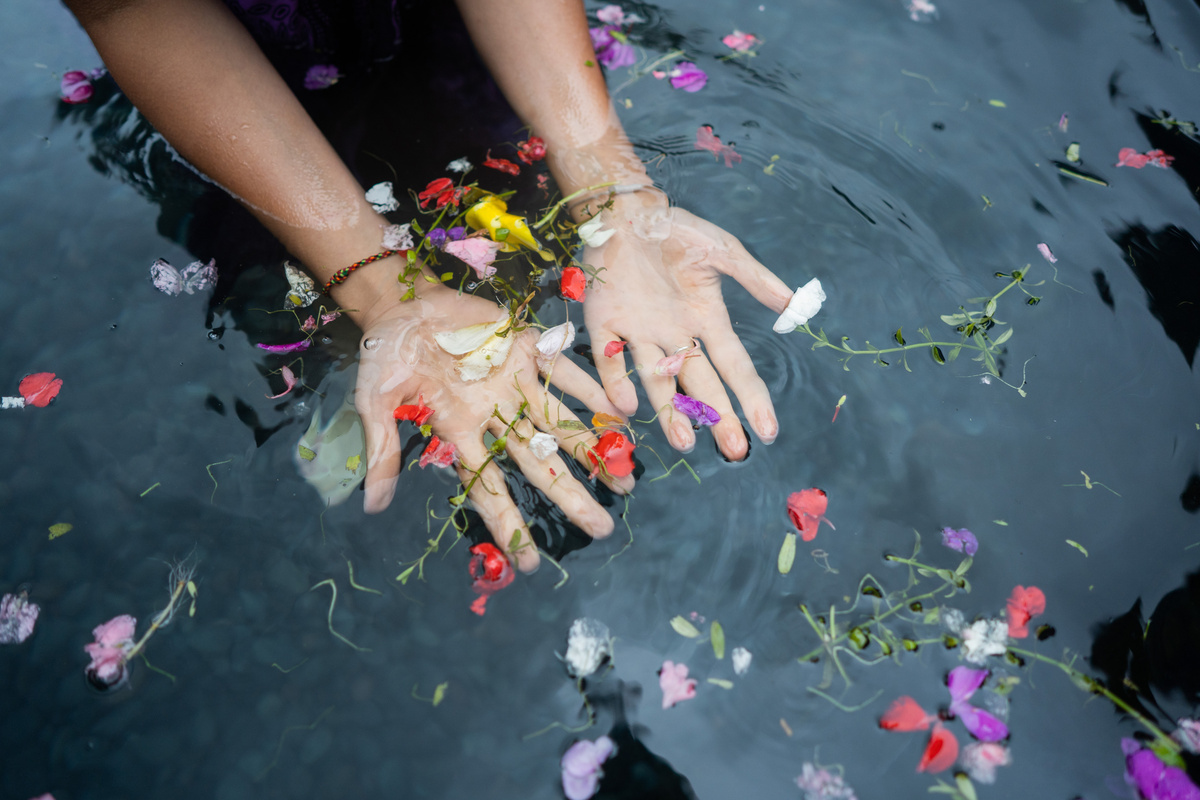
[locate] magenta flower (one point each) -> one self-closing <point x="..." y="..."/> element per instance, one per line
<point x="961" y="540"/>
<point x="76" y="87"/>
<point x="321" y="76"/>
<point x="294" y="347"/>
<point x="963" y="682"/>
<point x="688" y="76"/>
<point x="612" y="51"/>
<point x="1153" y="779"/>
<point x="581" y="767"/>
<point x="17" y="618"/>
<point x="113" y="639"/>
<point x="675" y="683"/>
<point x="699" y="412"/>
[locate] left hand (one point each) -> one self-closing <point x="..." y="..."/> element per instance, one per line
<point x="661" y="289"/>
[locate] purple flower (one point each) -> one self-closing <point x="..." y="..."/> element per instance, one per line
<point x="581" y="767"/>
<point x="688" y="76"/>
<point x="303" y="344"/>
<point x="456" y="233"/>
<point x="612" y="51"/>
<point x="961" y="540"/>
<point x="699" y="412"/>
<point x="1154" y="779"/>
<point x="963" y="683"/>
<point x="321" y="76"/>
<point x="436" y="237"/>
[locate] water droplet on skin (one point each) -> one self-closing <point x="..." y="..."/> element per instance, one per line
<point x="372" y="343"/>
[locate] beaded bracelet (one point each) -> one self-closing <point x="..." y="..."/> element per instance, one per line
<point x="344" y="273"/>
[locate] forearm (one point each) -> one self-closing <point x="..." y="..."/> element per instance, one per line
<point x="196" y="74"/>
<point x="539" y="52"/>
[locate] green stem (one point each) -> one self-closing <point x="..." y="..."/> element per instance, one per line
<point x="554" y="209"/>
<point x="874" y="620"/>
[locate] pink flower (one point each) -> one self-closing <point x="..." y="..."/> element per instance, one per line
<point x="76" y="87"/>
<point x="1128" y="157"/>
<point x="961" y="540"/>
<point x="669" y="366"/>
<point x="611" y="14"/>
<point x="688" y="76"/>
<point x="980" y="760"/>
<point x="706" y="140"/>
<point x="740" y="41"/>
<point x="17" y="618"/>
<point x="321" y="76"/>
<point x="1044" y="249"/>
<point x="675" y="683"/>
<point x="905" y="715"/>
<point x="581" y="766"/>
<point x="289" y="381"/>
<point x="113" y="639"/>
<point x="477" y="252"/>
<point x="806" y="509"/>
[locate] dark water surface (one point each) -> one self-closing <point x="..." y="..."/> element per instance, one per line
<point x="888" y="143"/>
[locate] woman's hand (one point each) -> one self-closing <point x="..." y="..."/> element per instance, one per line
<point x="401" y="363"/>
<point x="661" y="288"/>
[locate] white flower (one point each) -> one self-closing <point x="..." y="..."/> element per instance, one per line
<point x="554" y="341"/>
<point x="459" y="165"/>
<point x="481" y="349"/>
<point x="741" y="660"/>
<point x="12" y="402"/>
<point x="593" y="233"/>
<point x="986" y="637"/>
<point x="398" y="237"/>
<point x="980" y="760"/>
<point x="589" y="644"/>
<point x="301" y="291"/>
<point x="543" y="445"/>
<point x="381" y="198"/>
<point x="804" y="305"/>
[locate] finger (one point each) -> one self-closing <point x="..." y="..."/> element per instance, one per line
<point x="612" y="371"/>
<point x="383" y="447"/>
<point x="731" y="360"/>
<point x="700" y="381"/>
<point x="547" y="415"/>
<point x="552" y="477"/>
<point x="764" y="285"/>
<point x="490" y="498"/>
<point x="660" y="389"/>
<point x="570" y="377"/>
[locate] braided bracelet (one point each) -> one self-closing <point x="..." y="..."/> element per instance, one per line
<point x="342" y="274"/>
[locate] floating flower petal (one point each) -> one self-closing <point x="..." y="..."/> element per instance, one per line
<point x="381" y="198"/>
<point x="1044" y="249"/>
<point x="195" y="277"/>
<point x="295" y="347"/>
<point x="807" y="511"/>
<point x="552" y="342"/>
<point x="442" y="191"/>
<point x="301" y="290"/>
<point x="574" y="284"/>
<point x="699" y="412"/>
<point x="398" y="237"/>
<point x="39" y="388"/>
<point x="803" y="306"/>
<point x="961" y="540"/>
<point x="612" y="348"/>
<point x="593" y="233"/>
<point x="612" y="51"/>
<point x="476" y="252"/>
<point x="611" y="14"/>
<point x="501" y="164"/>
<point x="1023" y="605"/>
<point x="418" y="415"/>
<point x="675" y="684"/>
<point x="616" y="451"/>
<point x="581" y="770"/>
<point x="490" y="572"/>
<point x="741" y="660"/>
<point x="543" y="445"/>
<point x="438" y="453"/>
<point x="980" y="759"/>
<point x="76" y="87"/>
<point x="589" y="646"/>
<point x="941" y="752"/>
<point x="707" y="140"/>
<point x="821" y="784"/>
<point x="983" y="638"/>
<point x="741" y="42"/>
<point x="460" y="165"/>
<point x="289" y="380"/>
<point x="112" y="640"/>
<point x="491" y="214"/>
<point x="905" y="715"/>
<point x="669" y="366"/>
<point x="479" y="347"/>
<point x="532" y="150"/>
<point x="982" y="725"/>
<point x="688" y="77"/>
<point x="920" y="10"/>
<point x="17" y="618"/>
<point x="1153" y="779"/>
<point x="321" y="76"/>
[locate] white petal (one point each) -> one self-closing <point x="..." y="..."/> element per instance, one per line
<point x="804" y="305"/>
<point x="592" y="234"/>
<point x="464" y="340"/>
<point x="380" y="196"/>
<point x="302" y="292"/>
<point x="479" y="362"/>
<point x="741" y="660"/>
<point x="543" y="445"/>
<point x="397" y="237"/>
<point x="554" y="341"/>
<point x="589" y="643"/>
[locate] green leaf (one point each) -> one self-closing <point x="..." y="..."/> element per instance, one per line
<point x="446" y="276"/>
<point x="997" y="104"/>
<point x="954" y="319"/>
<point x="963" y="566"/>
<point x="787" y="554"/>
<point x="404" y="576"/>
<point x="58" y="529"/>
<point x="1073" y="152"/>
<point x="1002" y="338"/>
<point x="1078" y="547"/>
<point x="1000" y="522"/>
<point x="571" y="425"/>
<point x="936" y="352"/>
<point x="353" y="463"/>
<point x="899" y="336"/>
<point x="1167" y="754"/>
<point x="684" y="628"/>
<point x="439" y="693"/>
<point x="306" y="454"/>
<point x="990" y="308"/>
<point x="965" y="787"/>
<point x="724" y="684"/>
<point x="717" y="634"/>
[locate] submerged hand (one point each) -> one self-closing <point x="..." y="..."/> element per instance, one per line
<point x="661" y="289"/>
<point x="402" y="363"/>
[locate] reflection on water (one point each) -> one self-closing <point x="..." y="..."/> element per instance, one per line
<point x="899" y="183"/>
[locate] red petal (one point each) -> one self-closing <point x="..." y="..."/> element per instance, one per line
<point x="40" y="388"/>
<point x="941" y="752"/>
<point x="574" y="284"/>
<point x="418" y="414"/>
<point x="502" y="164"/>
<point x="617" y="453"/>
<point x="905" y="715"/>
<point x="612" y="348"/>
<point x="1024" y="604"/>
<point x="806" y="510"/>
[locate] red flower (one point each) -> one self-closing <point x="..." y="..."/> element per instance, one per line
<point x="905" y="715"/>
<point x="941" y="752"/>
<point x="502" y="164"/>
<point x="1023" y="605"/>
<point x="616" y="452"/>
<point x="807" y="511"/>
<point x="443" y="191"/>
<point x="417" y="415"/>
<point x="438" y="453"/>
<point x="532" y="150"/>
<point x="574" y="284"/>
<point x="1128" y="157"/>
<point x="40" y="388"/>
<point x="612" y="348"/>
<point x="490" y="572"/>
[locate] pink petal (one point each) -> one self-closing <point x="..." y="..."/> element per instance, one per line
<point x="963" y="682"/>
<point x="1044" y="249"/>
<point x="675" y="683"/>
<point x="739" y="41"/>
<point x="75" y="87"/>
<point x="289" y="380"/>
<point x="165" y="277"/>
<point x="477" y="252"/>
<point x="905" y="715"/>
<point x="1128" y="157"/>
<point x="117" y="631"/>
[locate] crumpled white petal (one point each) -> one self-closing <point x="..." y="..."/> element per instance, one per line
<point x="543" y="445"/>
<point x="589" y="645"/>
<point x="593" y="233"/>
<point x="302" y="292"/>
<point x="381" y="198"/>
<point x="481" y="349"/>
<point x="459" y="165"/>
<point x="804" y="305"/>
<point x="741" y="660"/>
<point x="554" y="341"/>
<point x="986" y="637"/>
<point x="398" y="237"/>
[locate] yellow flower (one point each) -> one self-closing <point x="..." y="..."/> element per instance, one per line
<point x="491" y="214"/>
